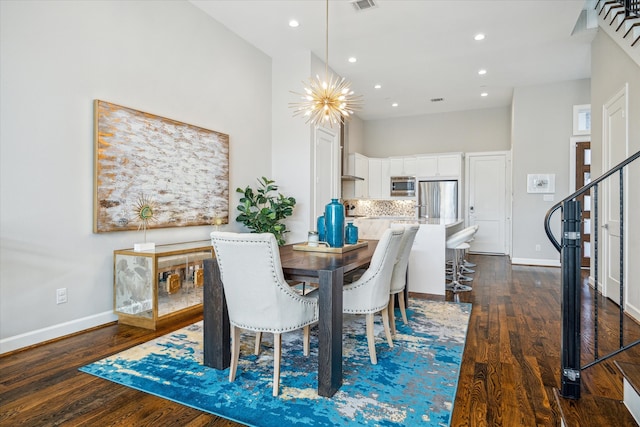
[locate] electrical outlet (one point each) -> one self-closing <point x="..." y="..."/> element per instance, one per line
<point x="61" y="295"/>
<point x="537" y="248"/>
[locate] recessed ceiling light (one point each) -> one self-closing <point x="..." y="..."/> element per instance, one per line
<point x="293" y="23"/>
<point x="482" y="72"/>
<point x="484" y="94"/>
<point x="395" y="104"/>
<point x="479" y="37"/>
<point x="377" y="86"/>
<point x="353" y="59"/>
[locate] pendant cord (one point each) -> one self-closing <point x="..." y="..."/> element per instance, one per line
<point x="326" y="47"/>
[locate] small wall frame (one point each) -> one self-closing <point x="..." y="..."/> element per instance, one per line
<point x="541" y="183"/>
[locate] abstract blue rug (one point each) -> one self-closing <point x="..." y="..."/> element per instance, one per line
<point x="414" y="383"/>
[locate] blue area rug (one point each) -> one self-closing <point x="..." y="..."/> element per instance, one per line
<point x="414" y="383"/>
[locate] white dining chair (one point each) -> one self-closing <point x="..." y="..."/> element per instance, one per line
<point x="259" y="299"/>
<point x="370" y="293"/>
<point x="399" y="275"/>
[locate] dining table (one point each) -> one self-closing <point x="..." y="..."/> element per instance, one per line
<point x="325" y="268"/>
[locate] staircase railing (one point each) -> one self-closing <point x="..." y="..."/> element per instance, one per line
<point x="570" y="250"/>
<point x="632" y="7"/>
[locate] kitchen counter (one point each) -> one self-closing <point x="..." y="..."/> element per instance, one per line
<point x="429" y="252"/>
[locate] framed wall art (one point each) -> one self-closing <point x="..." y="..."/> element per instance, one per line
<point x="541" y="183"/>
<point x="179" y="170"/>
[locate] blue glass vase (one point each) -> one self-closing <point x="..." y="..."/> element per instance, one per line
<point x="322" y="234"/>
<point x="334" y="223"/>
<point x="351" y="234"/>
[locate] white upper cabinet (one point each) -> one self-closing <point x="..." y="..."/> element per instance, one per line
<point x="403" y="166"/>
<point x="448" y="165"/>
<point x="358" y="165"/>
<point x="379" y="183"/>
<point x="427" y="165"/>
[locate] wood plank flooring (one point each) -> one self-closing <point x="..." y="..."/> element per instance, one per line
<point x="510" y="365"/>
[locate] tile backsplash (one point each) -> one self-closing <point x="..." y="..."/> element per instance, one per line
<point x="359" y="207"/>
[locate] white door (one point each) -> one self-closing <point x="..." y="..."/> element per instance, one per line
<point x="326" y="169"/>
<point x="615" y="150"/>
<point x="487" y="184"/>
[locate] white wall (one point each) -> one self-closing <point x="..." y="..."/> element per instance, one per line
<point x="611" y="69"/>
<point x="292" y="141"/>
<point x="474" y="130"/>
<point x="542" y="126"/>
<point x="162" y="57"/>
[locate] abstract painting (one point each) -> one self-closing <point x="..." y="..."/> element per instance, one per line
<point x="182" y="169"/>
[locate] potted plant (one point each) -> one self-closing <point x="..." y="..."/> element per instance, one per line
<point x="263" y="210"/>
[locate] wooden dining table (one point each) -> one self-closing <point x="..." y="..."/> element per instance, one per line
<point x="326" y="269"/>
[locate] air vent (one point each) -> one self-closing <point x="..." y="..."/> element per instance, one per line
<point x="359" y="5"/>
<point x="437" y="99"/>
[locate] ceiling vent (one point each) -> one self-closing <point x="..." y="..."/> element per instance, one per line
<point x="437" y="99"/>
<point x="360" y="5"/>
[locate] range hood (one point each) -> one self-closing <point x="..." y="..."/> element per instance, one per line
<point x="351" y="178"/>
<point x="344" y="145"/>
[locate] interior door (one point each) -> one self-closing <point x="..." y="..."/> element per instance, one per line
<point x="615" y="150"/>
<point x="487" y="201"/>
<point x="327" y="169"/>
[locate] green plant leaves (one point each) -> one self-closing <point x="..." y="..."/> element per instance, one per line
<point x="263" y="209"/>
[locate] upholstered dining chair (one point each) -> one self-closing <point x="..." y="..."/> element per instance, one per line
<point x="399" y="275"/>
<point x="370" y="293"/>
<point x="258" y="297"/>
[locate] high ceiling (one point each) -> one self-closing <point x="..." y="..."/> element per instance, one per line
<point x="418" y="50"/>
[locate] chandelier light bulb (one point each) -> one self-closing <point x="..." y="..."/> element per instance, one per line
<point x="329" y="100"/>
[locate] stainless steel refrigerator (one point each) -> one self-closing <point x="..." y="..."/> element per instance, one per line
<point x="438" y="199"/>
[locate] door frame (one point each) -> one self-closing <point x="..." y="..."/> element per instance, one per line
<point x="606" y="165"/>
<point x="508" y="224"/>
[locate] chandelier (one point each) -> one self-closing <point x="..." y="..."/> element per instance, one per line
<point x="330" y="100"/>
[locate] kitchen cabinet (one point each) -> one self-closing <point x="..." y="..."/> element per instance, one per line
<point x="403" y="166"/>
<point x="356" y="188"/>
<point x="446" y="165"/>
<point x="379" y="183"/>
<point x="159" y="286"/>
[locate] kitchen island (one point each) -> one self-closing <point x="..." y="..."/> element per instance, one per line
<point x="429" y="255"/>
<point x="429" y="252"/>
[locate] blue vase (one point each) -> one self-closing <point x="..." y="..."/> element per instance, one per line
<point x="334" y="223"/>
<point x="351" y="234"/>
<point x="322" y="234"/>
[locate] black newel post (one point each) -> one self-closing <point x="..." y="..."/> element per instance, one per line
<point x="571" y="252"/>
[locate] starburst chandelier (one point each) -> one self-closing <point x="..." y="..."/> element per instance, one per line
<point x="330" y="100"/>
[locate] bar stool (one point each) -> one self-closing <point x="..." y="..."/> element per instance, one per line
<point x="466" y="265"/>
<point x="458" y="242"/>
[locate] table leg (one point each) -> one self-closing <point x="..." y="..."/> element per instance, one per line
<point x="330" y="332"/>
<point x="217" y="344"/>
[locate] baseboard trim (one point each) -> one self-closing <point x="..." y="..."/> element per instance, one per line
<point x="56" y="331"/>
<point x="536" y="261"/>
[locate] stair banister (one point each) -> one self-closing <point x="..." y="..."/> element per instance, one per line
<point x="570" y="249"/>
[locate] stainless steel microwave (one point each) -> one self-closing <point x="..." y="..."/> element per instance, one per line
<point x="403" y="186"/>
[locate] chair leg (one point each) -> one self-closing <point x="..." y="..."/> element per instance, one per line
<point x="256" y="351"/>
<point x="385" y="323"/>
<point x="305" y="340"/>
<point x="370" y="339"/>
<point x="277" y="349"/>
<point x="235" y="352"/>
<point x="392" y="317"/>
<point x="403" y="309"/>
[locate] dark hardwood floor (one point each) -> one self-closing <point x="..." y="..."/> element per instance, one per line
<point x="510" y="365"/>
